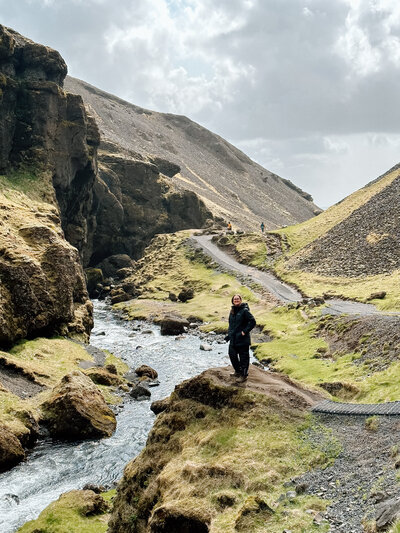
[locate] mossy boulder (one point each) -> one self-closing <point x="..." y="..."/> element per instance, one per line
<point x="77" y="410"/>
<point x="102" y="376"/>
<point x="74" y="511"/>
<point x="11" y="451"/>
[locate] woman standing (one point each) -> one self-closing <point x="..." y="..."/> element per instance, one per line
<point x="241" y="322"/>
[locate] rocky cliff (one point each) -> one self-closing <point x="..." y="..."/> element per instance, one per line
<point x="194" y="159"/>
<point x="133" y="201"/>
<point x="48" y="167"/>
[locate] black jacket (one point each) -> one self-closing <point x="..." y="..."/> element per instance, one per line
<point x="240" y="319"/>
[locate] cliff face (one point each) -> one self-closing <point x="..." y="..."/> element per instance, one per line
<point x="48" y="167"/>
<point x="133" y="202"/>
<point x="231" y="185"/>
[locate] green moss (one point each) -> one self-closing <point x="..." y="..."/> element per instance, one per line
<point x="122" y="368"/>
<point x="167" y="267"/>
<point x="33" y="182"/>
<point x="67" y="515"/>
<point x="293" y="351"/>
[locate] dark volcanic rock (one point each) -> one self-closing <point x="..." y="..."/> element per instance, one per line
<point x="185" y="295"/>
<point x="133" y="203"/>
<point x="140" y="392"/>
<point x="47" y="144"/>
<point x="172" y="325"/>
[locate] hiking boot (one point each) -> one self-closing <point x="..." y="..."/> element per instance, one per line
<point x="235" y="375"/>
<point x="241" y="379"/>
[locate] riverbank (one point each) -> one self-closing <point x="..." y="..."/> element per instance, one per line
<point x="235" y="467"/>
<point x="68" y="466"/>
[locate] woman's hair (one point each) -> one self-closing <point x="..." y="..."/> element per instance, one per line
<point x="241" y="299"/>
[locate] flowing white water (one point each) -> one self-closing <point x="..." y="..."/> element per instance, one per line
<point x="53" y="467"/>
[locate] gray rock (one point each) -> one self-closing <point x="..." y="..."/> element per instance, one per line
<point x="387" y="512"/>
<point x="206" y="347"/>
<point x="173" y="325"/>
<point x="140" y="392"/>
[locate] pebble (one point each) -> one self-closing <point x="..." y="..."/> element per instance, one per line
<point x="351" y="482"/>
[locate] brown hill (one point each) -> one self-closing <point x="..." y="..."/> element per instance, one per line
<point x="232" y="185"/>
<point x="365" y="240"/>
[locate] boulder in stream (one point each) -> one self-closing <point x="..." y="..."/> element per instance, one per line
<point x="76" y="410"/>
<point x="145" y="370"/>
<point x="140" y="392"/>
<point x="173" y="325"/>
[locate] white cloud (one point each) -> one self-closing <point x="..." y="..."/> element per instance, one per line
<point x="306" y="87"/>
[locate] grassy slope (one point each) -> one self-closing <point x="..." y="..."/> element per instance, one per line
<point x="218" y="466"/>
<point x="168" y="266"/>
<point x="294" y="352"/>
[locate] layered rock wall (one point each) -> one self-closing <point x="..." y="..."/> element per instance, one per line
<point x="134" y="202"/>
<point x="48" y="166"/>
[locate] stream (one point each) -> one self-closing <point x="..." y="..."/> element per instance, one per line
<point x="55" y="467"/>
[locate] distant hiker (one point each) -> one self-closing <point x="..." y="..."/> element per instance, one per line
<point x="241" y="322"/>
<point x="229" y="227"/>
<point x="262" y="226"/>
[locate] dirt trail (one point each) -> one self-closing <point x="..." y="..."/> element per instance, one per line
<point x="274" y="385"/>
<point x="281" y="291"/>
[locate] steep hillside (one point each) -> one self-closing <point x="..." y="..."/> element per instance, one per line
<point x="353" y="248"/>
<point x="230" y="183"/>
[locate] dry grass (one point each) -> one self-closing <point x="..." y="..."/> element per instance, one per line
<point x="226" y="468"/>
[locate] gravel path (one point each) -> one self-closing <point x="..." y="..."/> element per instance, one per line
<point x="283" y="292"/>
<point x="280" y="290"/>
<point x="363" y="474"/>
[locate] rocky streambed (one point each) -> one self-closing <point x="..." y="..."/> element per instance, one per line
<point x="54" y="467"/>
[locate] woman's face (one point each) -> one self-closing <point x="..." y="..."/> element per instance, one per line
<point x="237" y="300"/>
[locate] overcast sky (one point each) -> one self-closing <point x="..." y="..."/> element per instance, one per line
<point x="310" y="89"/>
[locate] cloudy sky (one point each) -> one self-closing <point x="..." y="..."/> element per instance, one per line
<point x="310" y="89"/>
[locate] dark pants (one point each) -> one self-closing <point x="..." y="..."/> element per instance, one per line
<point x="240" y="358"/>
